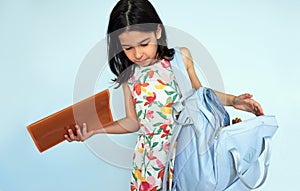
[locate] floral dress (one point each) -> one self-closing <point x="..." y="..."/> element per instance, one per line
<point x="154" y="90"/>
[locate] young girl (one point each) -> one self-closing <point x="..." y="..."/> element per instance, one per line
<point x="140" y="58"/>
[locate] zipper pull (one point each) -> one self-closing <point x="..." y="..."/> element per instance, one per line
<point x="218" y="132"/>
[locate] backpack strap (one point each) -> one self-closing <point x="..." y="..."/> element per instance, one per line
<point x="180" y="72"/>
<point x="186" y="90"/>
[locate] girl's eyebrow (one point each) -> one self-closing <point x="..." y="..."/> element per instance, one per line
<point x="141" y="42"/>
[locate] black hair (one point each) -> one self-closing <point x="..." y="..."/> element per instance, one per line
<point x="132" y="15"/>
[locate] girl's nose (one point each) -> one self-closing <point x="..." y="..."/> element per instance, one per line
<point x="138" y="52"/>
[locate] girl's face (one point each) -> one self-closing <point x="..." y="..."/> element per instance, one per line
<point x="140" y="47"/>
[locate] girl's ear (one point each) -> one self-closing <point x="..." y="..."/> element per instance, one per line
<point x="158" y="31"/>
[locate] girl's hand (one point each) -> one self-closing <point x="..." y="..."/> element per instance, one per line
<point x="82" y="133"/>
<point x="245" y="103"/>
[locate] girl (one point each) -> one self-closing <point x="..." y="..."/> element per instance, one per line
<point x="139" y="57"/>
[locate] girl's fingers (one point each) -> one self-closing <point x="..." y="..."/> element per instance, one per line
<point x="71" y="134"/>
<point x="72" y="137"/>
<point x="256" y="109"/>
<point x="259" y="110"/>
<point x="79" y="134"/>
<point x="246" y="103"/>
<point x="85" y="132"/>
<point x="84" y="129"/>
<point x="68" y="138"/>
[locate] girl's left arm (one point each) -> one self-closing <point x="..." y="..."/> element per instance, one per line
<point x="242" y="102"/>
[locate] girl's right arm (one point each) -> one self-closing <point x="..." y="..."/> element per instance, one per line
<point x="243" y="102"/>
<point x="127" y="124"/>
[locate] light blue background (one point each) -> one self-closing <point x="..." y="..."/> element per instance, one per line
<point x="42" y="44"/>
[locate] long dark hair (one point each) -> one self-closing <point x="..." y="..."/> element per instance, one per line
<point x="132" y="15"/>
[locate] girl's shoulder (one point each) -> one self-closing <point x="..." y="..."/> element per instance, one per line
<point x="186" y="57"/>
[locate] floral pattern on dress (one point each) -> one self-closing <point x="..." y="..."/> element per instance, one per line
<point x="154" y="91"/>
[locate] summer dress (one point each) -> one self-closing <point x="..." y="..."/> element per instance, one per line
<point x="154" y="90"/>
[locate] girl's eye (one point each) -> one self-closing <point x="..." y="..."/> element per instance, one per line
<point x="143" y="44"/>
<point x="128" y="48"/>
<point x="146" y="44"/>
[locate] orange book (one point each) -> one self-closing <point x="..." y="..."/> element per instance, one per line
<point x="50" y="131"/>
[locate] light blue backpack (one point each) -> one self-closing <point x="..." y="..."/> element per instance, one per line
<point x="210" y="156"/>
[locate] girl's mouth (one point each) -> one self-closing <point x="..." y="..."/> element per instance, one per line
<point x="143" y="62"/>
